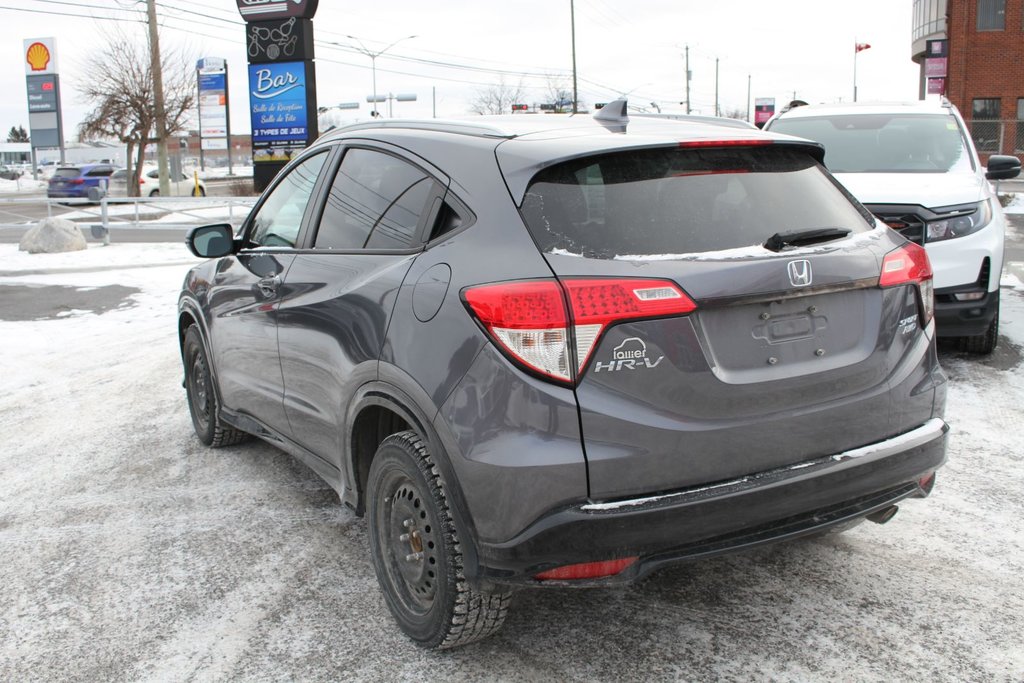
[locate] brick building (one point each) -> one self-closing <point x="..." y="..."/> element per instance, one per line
<point x="985" y="67"/>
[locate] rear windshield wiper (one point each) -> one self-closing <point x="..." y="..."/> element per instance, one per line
<point x="803" y="238"/>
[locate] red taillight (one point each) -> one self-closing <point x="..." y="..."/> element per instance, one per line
<point x="724" y="143"/>
<point x="530" y="321"/>
<point x="596" y="304"/>
<point x="587" y="570"/>
<point x="76" y="181"/>
<point x="141" y="181"/>
<point x="910" y="265"/>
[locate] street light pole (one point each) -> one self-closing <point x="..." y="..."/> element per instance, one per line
<point x="373" y="61"/>
<point x="572" y="21"/>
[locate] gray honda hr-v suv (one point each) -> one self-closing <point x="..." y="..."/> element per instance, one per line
<point x="567" y="351"/>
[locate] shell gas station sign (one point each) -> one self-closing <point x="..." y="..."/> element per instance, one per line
<point x="40" y="56"/>
<point x="42" y="83"/>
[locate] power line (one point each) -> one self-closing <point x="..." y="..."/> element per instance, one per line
<point x="68" y="14"/>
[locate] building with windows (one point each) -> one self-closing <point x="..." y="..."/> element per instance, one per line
<point x="984" y="68"/>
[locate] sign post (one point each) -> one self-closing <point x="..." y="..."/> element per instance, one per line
<point x="214" y="110"/>
<point x="936" y="66"/>
<point x="43" y="84"/>
<point x="282" y="82"/>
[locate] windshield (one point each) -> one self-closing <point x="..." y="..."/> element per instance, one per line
<point x="884" y="143"/>
<point x="681" y="201"/>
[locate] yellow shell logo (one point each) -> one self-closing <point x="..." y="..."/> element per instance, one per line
<point x="37" y="56"/>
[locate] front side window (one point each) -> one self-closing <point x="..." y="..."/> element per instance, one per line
<point x="669" y="202"/>
<point x="985" y="124"/>
<point x="991" y="15"/>
<point x="277" y="222"/>
<point x="884" y="143"/>
<point x="375" y="202"/>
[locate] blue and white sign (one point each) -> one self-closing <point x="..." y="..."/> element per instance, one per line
<point x="277" y="97"/>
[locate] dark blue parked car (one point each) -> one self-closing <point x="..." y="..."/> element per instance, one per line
<point x="75" y="181"/>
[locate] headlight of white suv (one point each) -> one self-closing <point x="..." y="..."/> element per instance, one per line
<point x="960" y="221"/>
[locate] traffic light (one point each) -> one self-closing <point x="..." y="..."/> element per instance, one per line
<point x="520" y="107"/>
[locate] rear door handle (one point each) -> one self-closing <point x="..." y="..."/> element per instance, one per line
<point x="268" y="285"/>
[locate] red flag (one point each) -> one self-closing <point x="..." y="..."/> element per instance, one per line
<point x="857" y="47"/>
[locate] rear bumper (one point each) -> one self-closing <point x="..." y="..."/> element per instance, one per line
<point x="710" y="520"/>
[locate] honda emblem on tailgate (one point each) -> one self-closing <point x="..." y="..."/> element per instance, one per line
<point x="799" y="273"/>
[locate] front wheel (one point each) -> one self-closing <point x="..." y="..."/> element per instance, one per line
<point x="202" y="399"/>
<point x="986" y="342"/>
<point x="416" y="551"/>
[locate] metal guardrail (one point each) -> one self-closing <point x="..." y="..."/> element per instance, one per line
<point x="102" y="215"/>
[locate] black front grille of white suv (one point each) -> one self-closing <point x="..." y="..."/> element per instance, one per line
<point x="907" y="223"/>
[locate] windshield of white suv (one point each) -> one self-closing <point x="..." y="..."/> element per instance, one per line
<point x="884" y="143"/>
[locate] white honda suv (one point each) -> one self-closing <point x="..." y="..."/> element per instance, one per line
<point x="915" y="167"/>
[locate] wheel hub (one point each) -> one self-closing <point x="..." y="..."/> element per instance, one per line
<point x="411" y="531"/>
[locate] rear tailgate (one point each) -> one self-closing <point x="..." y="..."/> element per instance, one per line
<point x="788" y="356"/>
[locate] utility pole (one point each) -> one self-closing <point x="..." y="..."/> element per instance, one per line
<point x="717" y="110"/>
<point x="687" y="79"/>
<point x="748" y="98"/>
<point x="158" y="97"/>
<point x="572" y="21"/>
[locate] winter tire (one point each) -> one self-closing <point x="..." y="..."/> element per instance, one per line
<point x="416" y="551"/>
<point x="202" y="398"/>
<point x="985" y="343"/>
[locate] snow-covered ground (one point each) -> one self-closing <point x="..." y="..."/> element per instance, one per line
<point x="22" y="185"/>
<point x="130" y="552"/>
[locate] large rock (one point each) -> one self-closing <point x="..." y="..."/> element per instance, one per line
<point x="53" y="236"/>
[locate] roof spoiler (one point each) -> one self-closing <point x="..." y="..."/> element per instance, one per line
<point x="613" y="116"/>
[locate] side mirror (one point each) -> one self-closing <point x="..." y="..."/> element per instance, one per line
<point x="1002" y="167"/>
<point x="211" y="241"/>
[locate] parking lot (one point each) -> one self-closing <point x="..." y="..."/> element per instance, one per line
<point x="130" y="552"/>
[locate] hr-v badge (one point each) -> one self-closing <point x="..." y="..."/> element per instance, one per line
<point x="631" y="354"/>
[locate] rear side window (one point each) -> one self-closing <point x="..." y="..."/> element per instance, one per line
<point x="680" y="201"/>
<point x="375" y="202"/>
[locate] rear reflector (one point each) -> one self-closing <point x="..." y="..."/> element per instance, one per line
<point x="910" y="265"/>
<point x="530" y="319"/>
<point x="587" y="570"/>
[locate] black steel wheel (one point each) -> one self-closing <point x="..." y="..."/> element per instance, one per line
<point x="202" y="399"/>
<point x="416" y="552"/>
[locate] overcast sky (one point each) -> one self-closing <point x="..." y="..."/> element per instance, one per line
<point x="798" y="46"/>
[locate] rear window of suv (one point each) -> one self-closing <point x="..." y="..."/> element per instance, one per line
<point x="884" y="143"/>
<point x="683" y="201"/>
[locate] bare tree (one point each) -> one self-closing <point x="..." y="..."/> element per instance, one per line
<point x="735" y="113"/>
<point x="559" y="93"/>
<point x="497" y="98"/>
<point x="118" y="82"/>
